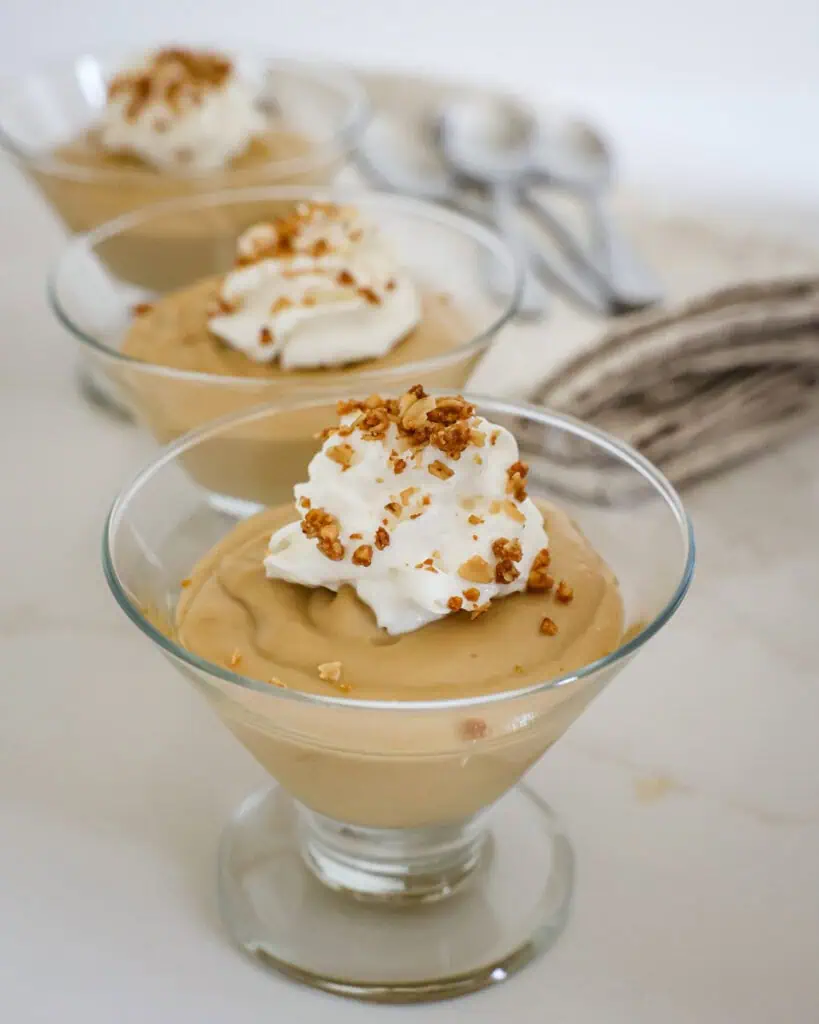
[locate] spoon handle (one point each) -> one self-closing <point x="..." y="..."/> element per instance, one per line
<point x="605" y="265"/>
<point x="535" y="302"/>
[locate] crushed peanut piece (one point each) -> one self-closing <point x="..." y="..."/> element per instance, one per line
<point x="437" y="468"/>
<point x="516" y="480"/>
<point x="480" y="610"/>
<point x="475" y="520"/>
<point x="141" y="308"/>
<point x="493" y="439"/>
<point x="406" y="494"/>
<point x="399" y="466"/>
<point x="372" y="297"/>
<point x="345" y="278"/>
<point x="472" y="594"/>
<point x="476" y="570"/>
<point x="511" y="509"/>
<point x="265" y="336"/>
<point x="363" y="555"/>
<point x="539" y="579"/>
<point x="564" y="592"/>
<point x="382" y="538"/>
<point x="504" y="548"/>
<point x="323" y="527"/>
<point x="394" y="508"/>
<point x="304" y="502"/>
<point x="330" y="672"/>
<point x="281" y="303"/>
<point x="342" y="454"/>
<point x="506" y="571"/>
<point x="356" y="536"/>
<point x="455" y="604"/>
<point x="186" y="582"/>
<point x="478" y="438"/>
<point x="548" y="627"/>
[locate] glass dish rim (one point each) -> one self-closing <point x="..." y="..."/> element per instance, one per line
<point x="421" y="208"/>
<point x="342" y="139"/>
<point x="534" y="413"/>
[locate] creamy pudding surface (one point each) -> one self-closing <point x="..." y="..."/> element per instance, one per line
<point x="414" y="566"/>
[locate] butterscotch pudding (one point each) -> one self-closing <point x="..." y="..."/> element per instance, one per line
<point x="404" y="632"/>
<point x="413" y="567"/>
<point x="331" y="298"/>
<point x="101" y="137"/>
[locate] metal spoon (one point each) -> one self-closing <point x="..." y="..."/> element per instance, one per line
<point x="395" y="156"/>
<point x="499" y="140"/>
<point x="493" y="152"/>
<point x="574" y="154"/>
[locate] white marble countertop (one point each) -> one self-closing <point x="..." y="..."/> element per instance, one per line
<point x="691" y="788"/>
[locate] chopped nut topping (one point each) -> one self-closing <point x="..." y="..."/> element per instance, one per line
<point x="330" y="672"/>
<point x="506" y="571"/>
<point x="321" y="526"/>
<point x="394" y="508"/>
<point x="186" y="582"/>
<point x="480" y="610"/>
<point x="363" y="555"/>
<point x="345" y="406"/>
<point x="382" y="538"/>
<point x="320" y="248"/>
<point x="472" y="594"/>
<point x="342" y="454"/>
<point x="478" y="460"/>
<point x="235" y="658"/>
<point x="399" y="466"/>
<point x="407" y="493"/>
<point x="516" y="483"/>
<point x="474" y="729"/>
<point x="390" y="285"/>
<point x="564" y="592"/>
<point x="455" y="604"/>
<point x="493" y="439"/>
<point x="478" y="438"/>
<point x="265" y="336"/>
<point x="304" y="502"/>
<point x="503" y="548"/>
<point x="511" y="509"/>
<point x="141" y="308"/>
<point x="173" y="77"/>
<point x="416" y="515"/>
<point x="476" y="570"/>
<point x="539" y="579"/>
<point x="437" y="468"/>
<point x="475" y="520"/>
<point x="345" y="278"/>
<point x="281" y="303"/>
<point x="548" y="627"/>
<point x="221" y="307"/>
<point x="495" y="507"/>
<point x="356" y="536"/>
<point x="416" y="415"/>
<point x="278" y="682"/>
<point x="372" y="297"/>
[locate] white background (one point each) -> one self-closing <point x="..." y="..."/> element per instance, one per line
<point x="701" y="95"/>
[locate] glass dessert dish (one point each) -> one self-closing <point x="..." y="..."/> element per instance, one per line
<point x="447" y="255"/>
<point x="47" y="115"/>
<point x="399" y="858"/>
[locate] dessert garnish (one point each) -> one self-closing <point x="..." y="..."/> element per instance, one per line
<point x="396" y="507"/>
<point x="181" y="110"/>
<point x="316" y="287"/>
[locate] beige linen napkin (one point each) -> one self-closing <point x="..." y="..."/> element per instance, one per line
<point x="705" y="384"/>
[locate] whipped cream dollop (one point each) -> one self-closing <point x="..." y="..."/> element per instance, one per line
<point x="418" y="504"/>
<point x="319" y="287"/>
<point x="180" y="110"/>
